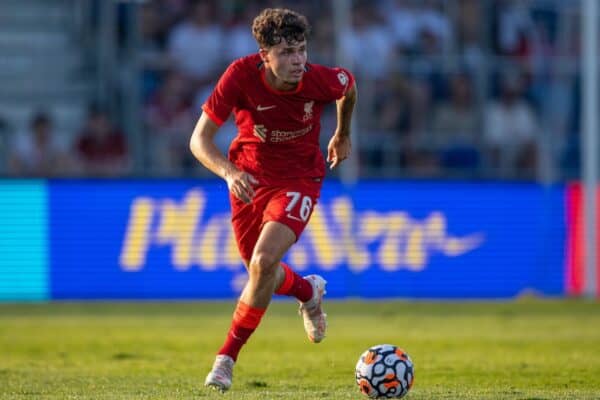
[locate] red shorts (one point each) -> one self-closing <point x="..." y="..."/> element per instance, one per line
<point x="291" y="204"/>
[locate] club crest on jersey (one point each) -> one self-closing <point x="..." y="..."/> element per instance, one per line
<point x="308" y="111"/>
<point x="260" y="132"/>
<point x="343" y="78"/>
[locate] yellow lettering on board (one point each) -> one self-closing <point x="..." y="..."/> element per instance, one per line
<point x="328" y="252"/>
<point x="137" y="235"/>
<point x="395" y="225"/>
<point x="207" y="249"/>
<point x="454" y="247"/>
<point x="178" y="225"/>
<point x="416" y="253"/>
<point x="435" y="230"/>
<point x="299" y="257"/>
<point x="371" y="225"/>
<point x="231" y="254"/>
<point x="344" y="237"/>
<point x="357" y="256"/>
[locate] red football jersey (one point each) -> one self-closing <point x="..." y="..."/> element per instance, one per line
<point x="278" y="131"/>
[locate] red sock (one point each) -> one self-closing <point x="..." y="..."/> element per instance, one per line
<point x="245" y="321"/>
<point x="295" y="285"/>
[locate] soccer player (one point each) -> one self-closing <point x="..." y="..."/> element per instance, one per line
<point x="275" y="168"/>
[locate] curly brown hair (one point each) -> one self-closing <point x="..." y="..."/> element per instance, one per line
<point x="273" y="24"/>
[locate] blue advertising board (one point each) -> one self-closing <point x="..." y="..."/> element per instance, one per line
<point x="131" y="239"/>
<point x="23" y="240"/>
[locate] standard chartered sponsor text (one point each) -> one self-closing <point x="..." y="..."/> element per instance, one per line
<point x="284" y="136"/>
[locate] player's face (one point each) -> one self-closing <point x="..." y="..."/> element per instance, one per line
<point x="286" y="62"/>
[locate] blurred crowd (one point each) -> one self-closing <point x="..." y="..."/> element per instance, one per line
<point x="465" y="88"/>
<point x="98" y="149"/>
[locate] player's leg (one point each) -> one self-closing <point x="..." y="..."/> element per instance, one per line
<point x="289" y="283"/>
<point x="264" y="274"/>
<point x="274" y="241"/>
<point x="280" y="278"/>
<point x="293" y="205"/>
<point x="315" y="319"/>
<point x="264" y="271"/>
<point x="309" y="291"/>
<point x="246" y="221"/>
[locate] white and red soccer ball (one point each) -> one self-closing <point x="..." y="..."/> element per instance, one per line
<point x="384" y="371"/>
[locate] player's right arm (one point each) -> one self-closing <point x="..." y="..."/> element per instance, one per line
<point x="204" y="149"/>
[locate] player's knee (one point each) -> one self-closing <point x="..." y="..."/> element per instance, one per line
<point x="263" y="265"/>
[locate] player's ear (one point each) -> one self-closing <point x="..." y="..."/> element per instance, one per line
<point x="264" y="54"/>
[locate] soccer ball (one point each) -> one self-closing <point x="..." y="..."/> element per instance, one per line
<point x="384" y="371"/>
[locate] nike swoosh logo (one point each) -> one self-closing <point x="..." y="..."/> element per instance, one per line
<point x="263" y="108"/>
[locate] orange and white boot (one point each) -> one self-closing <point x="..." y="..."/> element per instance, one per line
<point x="315" y="320"/>
<point x="221" y="375"/>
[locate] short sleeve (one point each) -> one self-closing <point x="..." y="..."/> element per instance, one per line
<point x="339" y="80"/>
<point x="224" y="97"/>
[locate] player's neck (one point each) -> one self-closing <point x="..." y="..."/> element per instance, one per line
<point x="277" y="83"/>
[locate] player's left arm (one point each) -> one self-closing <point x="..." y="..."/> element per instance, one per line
<point x="340" y="144"/>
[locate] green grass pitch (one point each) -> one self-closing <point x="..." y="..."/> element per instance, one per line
<point x="526" y="349"/>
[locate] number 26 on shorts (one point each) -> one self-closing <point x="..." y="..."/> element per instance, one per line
<point x="299" y="207"/>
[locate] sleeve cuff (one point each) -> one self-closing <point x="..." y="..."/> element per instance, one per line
<point x="212" y="115"/>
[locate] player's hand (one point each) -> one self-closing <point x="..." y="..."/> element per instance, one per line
<point x="338" y="149"/>
<point x="241" y="184"/>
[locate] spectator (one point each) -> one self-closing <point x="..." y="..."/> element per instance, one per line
<point x="469" y="29"/>
<point x="4" y="143"/>
<point x="368" y="39"/>
<point x="454" y="129"/>
<point x="514" y="28"/>
<point x="435" y="29"/>
<point x="169" y="119"/>
<point x="39" y="152"/>
<point x="196" y="44"/>
<point x="100" y="147"/>
<point x="153" y="30"/>
<point x="388" y="141"/>
<point x="510" y="129"/>
<point x="174" y="10"/>
<point x="420" y="155"/>
<point x="403" y="22"/>
<point x="322" y="50"/>
<point x="419" y="26"/>
<point x="238" y="38"/>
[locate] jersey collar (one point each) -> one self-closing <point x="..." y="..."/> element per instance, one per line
<point x="271" y="89"/>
